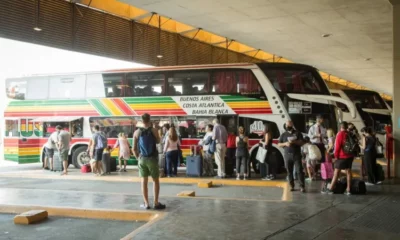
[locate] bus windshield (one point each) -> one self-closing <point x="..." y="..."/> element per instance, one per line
<point x="366" y="99"/>
<point x="296" y="80"/>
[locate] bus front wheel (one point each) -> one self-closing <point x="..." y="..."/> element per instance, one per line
<point x="80" y="157"/>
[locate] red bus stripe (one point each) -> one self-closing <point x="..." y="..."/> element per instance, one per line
<point x="124" y="107"/>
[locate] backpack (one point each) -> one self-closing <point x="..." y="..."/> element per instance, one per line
<point x="231" y="141"/>
<point x="314" y="153"/>
<point x="101" y="141"/>
<point x="147" y="142"/>
<point x="350" y="145"/>
<point x="213" y="147"/>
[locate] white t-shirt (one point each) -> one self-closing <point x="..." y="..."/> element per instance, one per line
<point x="51" y="142"/>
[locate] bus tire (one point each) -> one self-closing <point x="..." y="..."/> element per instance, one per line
<point x="79" y="157"/>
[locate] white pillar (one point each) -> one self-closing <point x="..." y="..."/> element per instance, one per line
<point x="396" y="85"/>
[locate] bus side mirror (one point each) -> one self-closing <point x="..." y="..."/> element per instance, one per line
<point x="339" y="114"/>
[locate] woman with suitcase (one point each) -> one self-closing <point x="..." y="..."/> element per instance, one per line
<point x="171" y="150"/>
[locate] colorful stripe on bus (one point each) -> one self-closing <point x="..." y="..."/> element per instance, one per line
<point x="157" y="106"/>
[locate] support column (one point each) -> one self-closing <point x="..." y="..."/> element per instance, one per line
<point x="396" y="85"/>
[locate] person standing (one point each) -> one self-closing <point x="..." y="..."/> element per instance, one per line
<point x="64" y="139"/>
<point x="242" y="154"/>
<point x="144" y="149"/>
<point x="124" y="150"/>
<point x="208" y="167"/>
<point x="49" y="148"/>
<point x="220" y="136"/>
<point x="171" y="150"/>
<point x="268" y="168"/>
<point x="291" y="141"/>
<point x="317" y="135"/>
<point x="99" y="143"/>
<point x="368" y="143"/>
<point x="344" y="160"/>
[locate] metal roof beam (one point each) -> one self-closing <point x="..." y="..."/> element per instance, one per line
<point x="190" y="30"/>
<point x="143" y="16"/>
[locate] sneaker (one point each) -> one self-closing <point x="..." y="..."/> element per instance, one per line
<point x="244" y="178"/>
<point x="120" y="170"/>
<point x="265" y="179"/>
<point x="369" y="184"/>
<point x="308" y="179"/>
<point x="144" y="206"/>
<point x="271" y="178"/>
<point x="327" y="191"/>
<point x="303" y="190"/>
<point x="380" y="182"/>
<point x="238" y="178"/>
<point x="124" y="170"/>
<point x="159" y="206"/>
<point x="347" y="193"/>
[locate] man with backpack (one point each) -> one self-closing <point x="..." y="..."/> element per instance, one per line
<point x="145" y="151"/>
<point x="100" y="142"/>
<point x="345" y="148"/>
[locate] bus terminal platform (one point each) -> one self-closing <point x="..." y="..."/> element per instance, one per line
<point x="231" y="209"/>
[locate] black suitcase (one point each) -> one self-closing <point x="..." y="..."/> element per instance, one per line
<point x="106" y="161"/>
<point x="194" y="165"/>
<point x="358" y="187"/>
<point x="113" y="164"/>
<point x="57" y="162"/>
<point x="229" y="166"/>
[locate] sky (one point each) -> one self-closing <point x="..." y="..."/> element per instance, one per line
<point x="19" y="59"/>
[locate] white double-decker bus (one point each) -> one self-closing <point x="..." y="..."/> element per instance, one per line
<point x="246" y="95"/>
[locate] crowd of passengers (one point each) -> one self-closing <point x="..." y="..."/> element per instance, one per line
<point x="302" y="155"/>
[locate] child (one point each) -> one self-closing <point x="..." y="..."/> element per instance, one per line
<point x="310" y="163"/>
<point x="124" y="150"/>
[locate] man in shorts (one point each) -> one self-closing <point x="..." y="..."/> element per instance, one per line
<point x="49" y="149"/>
<point x="98" y="149"/>
<point x="144" y="149"/>
<point x="344" y="161"/>
<point x="64" y="138"/>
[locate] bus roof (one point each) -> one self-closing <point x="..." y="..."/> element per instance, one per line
<point x="183" y="67"/>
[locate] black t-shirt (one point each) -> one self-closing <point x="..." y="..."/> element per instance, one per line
<point x="295" y="135"/>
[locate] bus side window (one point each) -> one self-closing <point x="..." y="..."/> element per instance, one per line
<point x="114" y="85"/>
<point x="342" y="106"/>
<point x="145" y="84"/>
<point x="188" y="82"/>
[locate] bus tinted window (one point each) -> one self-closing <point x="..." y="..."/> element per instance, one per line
<point x="145" y="84"/>
<point x="366" y="99"/>
<point x="16" y="88"/>
<point x="295" y="81"/>
<point x="188" y="83"/>
<point x="342" y="106"/>
<point x="112" y="126"/>
<point x="114" y="85"/>
<point x="241" y="82"/>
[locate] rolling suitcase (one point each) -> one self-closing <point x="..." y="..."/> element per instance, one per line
<point x="113" y="164"/>
<point x="380" y="174"/>
<point x="194" y="164"/>
<point x="358" y="187"/>
<point x="57" y="162"/>
<point x="106" y="161"/>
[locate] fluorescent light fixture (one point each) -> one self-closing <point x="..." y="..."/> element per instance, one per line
<point x="37" y="29"/>
<point x="160" y="56"/>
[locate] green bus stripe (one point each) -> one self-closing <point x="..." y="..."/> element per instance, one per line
<point x="11" y="157"/>
<point x="240" y="99"/>
<point x="29" y="160"/>
<point x="100" y="107"/>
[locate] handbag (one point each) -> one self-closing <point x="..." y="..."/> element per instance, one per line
<point x="261" y="154"/>
<point x="379" y="149"/>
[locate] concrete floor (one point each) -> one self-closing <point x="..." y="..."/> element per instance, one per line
<point x="224" y="212"/>
<point x="65" y="229"/>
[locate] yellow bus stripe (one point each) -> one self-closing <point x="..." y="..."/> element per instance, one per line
<point x="110" y="105"/>
<point x="249" y="104"/>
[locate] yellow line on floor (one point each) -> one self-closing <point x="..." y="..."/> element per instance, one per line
<point x="381" y="162"/>
<point x="120" y="215"/>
